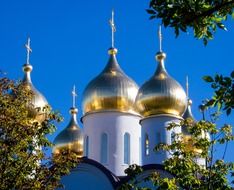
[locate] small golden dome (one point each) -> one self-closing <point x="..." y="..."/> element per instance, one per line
<point x="38" y="101"/>
<point x="161" y="94"/>
<point x="187" y="115"/>
<point x="71" y="137"/>
<point x="187" y="137"/>
<point x="111" y="90"/>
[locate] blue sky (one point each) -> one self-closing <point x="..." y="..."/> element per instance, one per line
<point x="70" y="40"/>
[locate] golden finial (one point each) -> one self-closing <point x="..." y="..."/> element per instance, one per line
<point x="160" y="38"/>
<point x="113" y="29"/>
<point x="29" y="50"/>
<point x="74" y="96"/>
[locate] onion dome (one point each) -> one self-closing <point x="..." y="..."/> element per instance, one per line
<point x="111" y="90"/>
<point x="187" y="115"/>
<point x="71" y="138"/>
<point x="161" y="94"/>
<point x="187" y="137"/>
<point x="186" y="134"/>
<point x="38" y="101"/>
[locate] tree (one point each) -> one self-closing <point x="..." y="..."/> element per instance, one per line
<point x="202" y="16"/>
<point x="200" y="142"/>
<point x="23" y="142"/>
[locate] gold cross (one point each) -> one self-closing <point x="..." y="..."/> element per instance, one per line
<point x="160" y="38"/>
<point x="113" y="29"/>
<point x="29" y="50"/>
<point x="74" y="96"/>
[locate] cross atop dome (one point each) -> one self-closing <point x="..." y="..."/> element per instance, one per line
<point x="29" y="50"/>
<point x="74" y="95"/>
<point x="160" y="38"/>
<point x="113" y="29"/>
<point x="187" y="87"/>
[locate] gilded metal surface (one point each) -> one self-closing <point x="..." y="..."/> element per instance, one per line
<point x="112" y="90"/>
<point x="161" y="94"/>
<point x="187" y="115"/>
<point x="187" y="137"/>
<point x="38" y="100"/>
<point x="71" y="137"/>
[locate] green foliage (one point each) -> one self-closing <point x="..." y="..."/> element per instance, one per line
<point x="23" y="142"/>
<point x="185" y="150"/>
<point x="200" y="142"/>
<point x="202" y="16"/>
<point x="223" y="96"/>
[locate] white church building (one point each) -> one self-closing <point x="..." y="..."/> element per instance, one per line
<point x="122" y="123"/>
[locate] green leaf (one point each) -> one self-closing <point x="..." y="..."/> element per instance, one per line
<point x="152" y="17"/>
<point x="208" y="79"/>
<point x="210" y="102"/>
<point x="232" y="74"/>
<point x="229" y="110"/>
<point x="150" y="11"/>
<point x="205" y="41"/>
<point x="222" y="26"/>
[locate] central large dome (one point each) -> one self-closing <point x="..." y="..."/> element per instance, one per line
<point x="161" y="94"/>
<point x="111" y="90"/>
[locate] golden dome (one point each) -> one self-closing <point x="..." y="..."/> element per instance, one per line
<point x="187" y="137"/>
<point x="161" y="94"/>
<point x="187" y="115"/>
<point x="111" y="90"/>
<point x="39" y="102"/>
<point x="71" y="137"/>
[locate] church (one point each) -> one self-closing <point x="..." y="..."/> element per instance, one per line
<point x="122" y="123"/>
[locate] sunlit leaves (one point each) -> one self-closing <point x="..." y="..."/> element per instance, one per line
<point x="23" y="140"/>
<point x="203" y="17"/>
<point x="223" y="96"/>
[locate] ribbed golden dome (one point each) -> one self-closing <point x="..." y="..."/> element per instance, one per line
<point x="187" y="115"/>
<point x="71" y="137"/>
<point x="187" y="137"/>
<point x="111" y="90"/>
<point x="161" y="94"/>
<point x="38" y="101"/>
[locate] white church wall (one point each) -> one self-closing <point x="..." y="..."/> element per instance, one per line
<point x="156" y="130"/>
<point x="115" y="125"/>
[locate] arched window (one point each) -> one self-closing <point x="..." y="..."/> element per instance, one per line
<point x="104" y="148"/>
<point x="146" y="144"/>
<point x="87" y="146"/>
<point x="126" y="148"/>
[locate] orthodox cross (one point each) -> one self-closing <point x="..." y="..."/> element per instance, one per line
<point x="29" y="50"/>
<point x="113" y="29"/>
<point x="160" y="38"/>
<point x="187" y="87"/>
<point x="74" y="96"/>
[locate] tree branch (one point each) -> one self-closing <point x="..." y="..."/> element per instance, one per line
<point x="209" y="11"/>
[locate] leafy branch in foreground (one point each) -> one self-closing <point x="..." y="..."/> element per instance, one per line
<point x="202" y="16"/>
<point x="23" y="141"/>
<point x="201" y="142"/>
<point x="223" y="96"/>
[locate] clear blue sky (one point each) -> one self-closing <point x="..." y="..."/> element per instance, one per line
<point x="70" y="41"/>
